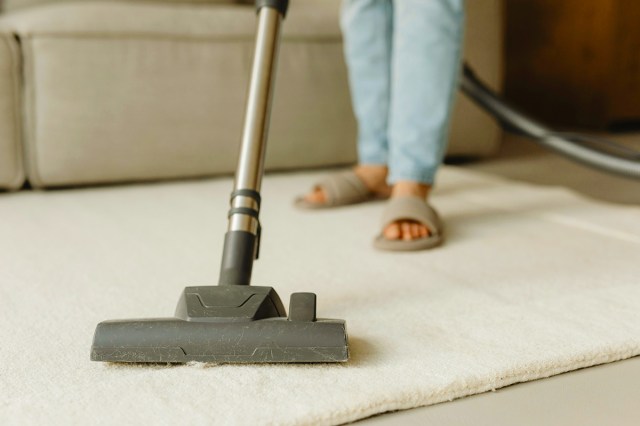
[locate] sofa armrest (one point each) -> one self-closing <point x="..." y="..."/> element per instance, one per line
<point x="11" y="162"/>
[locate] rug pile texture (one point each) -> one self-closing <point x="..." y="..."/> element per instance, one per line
<point x="532" y="282"/>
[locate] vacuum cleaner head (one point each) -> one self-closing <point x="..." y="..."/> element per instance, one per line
<point x="238" y="324"/>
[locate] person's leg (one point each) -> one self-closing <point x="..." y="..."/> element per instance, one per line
<point x="367" y="31"/>
<point x="426" y="48"/>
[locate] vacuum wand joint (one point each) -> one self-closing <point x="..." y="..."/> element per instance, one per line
<point x="280" y="5"/>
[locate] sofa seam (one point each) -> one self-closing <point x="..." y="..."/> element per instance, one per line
<point x="31" y="149"/>
<point x="18" y="142"/>
<point x="79" y="35"/>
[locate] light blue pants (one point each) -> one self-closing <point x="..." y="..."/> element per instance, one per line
<point x="403" y="58"/>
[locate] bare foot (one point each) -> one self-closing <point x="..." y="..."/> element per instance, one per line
<point x="408" y="229"/>
<point x="373" y="176"/>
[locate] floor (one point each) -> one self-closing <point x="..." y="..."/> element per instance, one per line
<point x="603" y="395"/>
<point x="606" y="394"/>
<point x="520" y="159"/>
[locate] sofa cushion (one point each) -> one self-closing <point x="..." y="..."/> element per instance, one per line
<point x="474" y="132"/>
<point x="11" y="169"/>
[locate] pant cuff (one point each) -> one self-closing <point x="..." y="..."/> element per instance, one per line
<point x="426" y="177"/>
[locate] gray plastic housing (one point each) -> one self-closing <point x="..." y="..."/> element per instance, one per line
<point x="227" y="324"/>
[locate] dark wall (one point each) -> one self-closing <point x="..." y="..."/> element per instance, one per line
<point x="575" y="63"/>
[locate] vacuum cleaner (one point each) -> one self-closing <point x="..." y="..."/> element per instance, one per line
<point x="235" y="322"/>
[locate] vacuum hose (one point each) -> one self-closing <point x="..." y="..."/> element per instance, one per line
<point x="588" y="150"/>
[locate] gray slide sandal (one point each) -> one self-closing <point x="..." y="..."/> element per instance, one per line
<point x="341" y="189"/>
<point x="410" y="208"/>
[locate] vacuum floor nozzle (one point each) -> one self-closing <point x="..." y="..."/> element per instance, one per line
<point x="227" y="324"/>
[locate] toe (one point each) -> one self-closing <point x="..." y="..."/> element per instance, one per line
<point x="415" y="230"/>
<point x="316" y="196"/>
<point x="406" y="230"/>
<point x="392" y="232"/>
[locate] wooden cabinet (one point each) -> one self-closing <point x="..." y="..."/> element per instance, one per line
<point x="575" y="62"/>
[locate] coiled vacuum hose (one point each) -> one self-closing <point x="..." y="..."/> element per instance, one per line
<point x="591" y="151"/>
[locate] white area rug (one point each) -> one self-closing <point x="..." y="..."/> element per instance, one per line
<point x="532" y="282"/>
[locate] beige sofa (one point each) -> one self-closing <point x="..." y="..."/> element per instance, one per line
<point x="112" y="91"/>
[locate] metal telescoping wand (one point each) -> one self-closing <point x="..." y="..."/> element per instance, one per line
<point x="242" y="240"/>
<point x="256" y="123"/>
